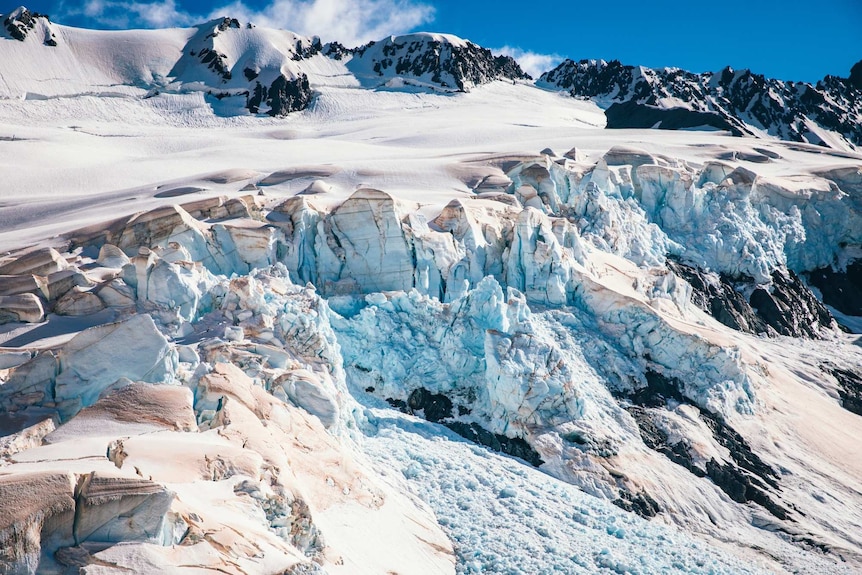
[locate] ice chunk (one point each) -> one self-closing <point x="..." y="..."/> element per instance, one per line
<point x="24" y="307"/>
<point x="375" y="251"/>
<point x="99" y="356"/>
<point x="307" y="391"/>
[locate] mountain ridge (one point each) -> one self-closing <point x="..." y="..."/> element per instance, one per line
<point x="739" y="101"/>
<point x="276" y="72"/>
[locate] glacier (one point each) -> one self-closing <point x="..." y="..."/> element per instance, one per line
<point x="385" y="333"/>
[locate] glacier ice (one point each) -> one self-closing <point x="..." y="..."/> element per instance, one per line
<point x="543" y="315"/>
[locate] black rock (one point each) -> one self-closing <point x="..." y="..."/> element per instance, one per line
<point x="656" y="439"/>
<point x="856" y="75"/>
<point x="215" y="62"/>
<point x="399" y="404"/>
<point x="514" y="446"/>
<point x="336" y="51"/>
<point x="223" y="25"/>
<point x="739" y="449"/>
<point x="745" y="478"/>
<point x="449" y="65"/>
<point x="282" y="97"/>
<point x="658" y="391"/>
<point x="715" y="296"/>
<point x="840" y="289"/>
<point x="641" y="503"/>
<point x="787" y="307"/>
<point x="849" y="388"/>
<point x="435" y="406"/>
<point x="631" y="114"/>
<point x="20" y="22"/>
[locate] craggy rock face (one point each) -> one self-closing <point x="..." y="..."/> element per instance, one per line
<point x="787" y="307"/>
<point x="282" y="97"/>
<point x="442" y="61"/>
<point x="733" y="100"/>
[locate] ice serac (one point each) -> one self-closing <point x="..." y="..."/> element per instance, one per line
<point x="437" y="61"/>
<point x="44" y="512"/>
<point x="41" y="261"/>
<point x="738" y="101"/>
<point x="370" y="241"/>
<point x="22" y="308"/>
<point x="74" y="375"/>
<point x="116" y="509"/>
<point x="44" y="506"/>
<point x="96" y="358"/>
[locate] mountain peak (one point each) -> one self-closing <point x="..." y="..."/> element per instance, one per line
<point x="20" y="22"/>
<point x="432" y="60"/>
<point x="737" y="100"/>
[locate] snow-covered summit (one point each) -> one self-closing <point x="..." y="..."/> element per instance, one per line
<point x="21" y="23"/>
<point x="261" y="65"/>
<point x="436" y="60"/>
<point x="740" y="101"/>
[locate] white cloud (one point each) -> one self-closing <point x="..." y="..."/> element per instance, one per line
<point x="532" y="63"/>
<point x="351" y="22"/>
<point x="125" y="14"/>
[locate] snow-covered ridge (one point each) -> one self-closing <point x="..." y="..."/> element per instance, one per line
<point x="436" y="60"/>
<point x="826" y="114"/>
<point x="247" y="69"/>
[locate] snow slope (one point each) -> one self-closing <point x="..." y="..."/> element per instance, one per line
<point x="625" y="313"/>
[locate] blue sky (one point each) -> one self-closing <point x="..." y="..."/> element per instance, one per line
<point x="787" y="39"/>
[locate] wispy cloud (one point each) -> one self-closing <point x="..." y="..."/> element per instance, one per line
<point x="351" y="22"/>
<point x="126" y="14"/>
<point x="532" y="63"/>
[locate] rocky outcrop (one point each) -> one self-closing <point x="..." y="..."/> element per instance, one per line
<point x="744" y="477"/>
<point x="438" y="408"/>
<point x="282" y="97"/>
<point x="855" y="78"/>
<point x="784" y="307"/>
<point x="739" y="101"/>
<point x="789" y="307"/>
<point x="717" y="296"/>
<point x="631" y="114"/>
<point x="270" y="80"/>
<point x="21" y="22"/>
<point x="849" y="388"/>
<point x="434" y="60"/>
<point x="841" y="289"/>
